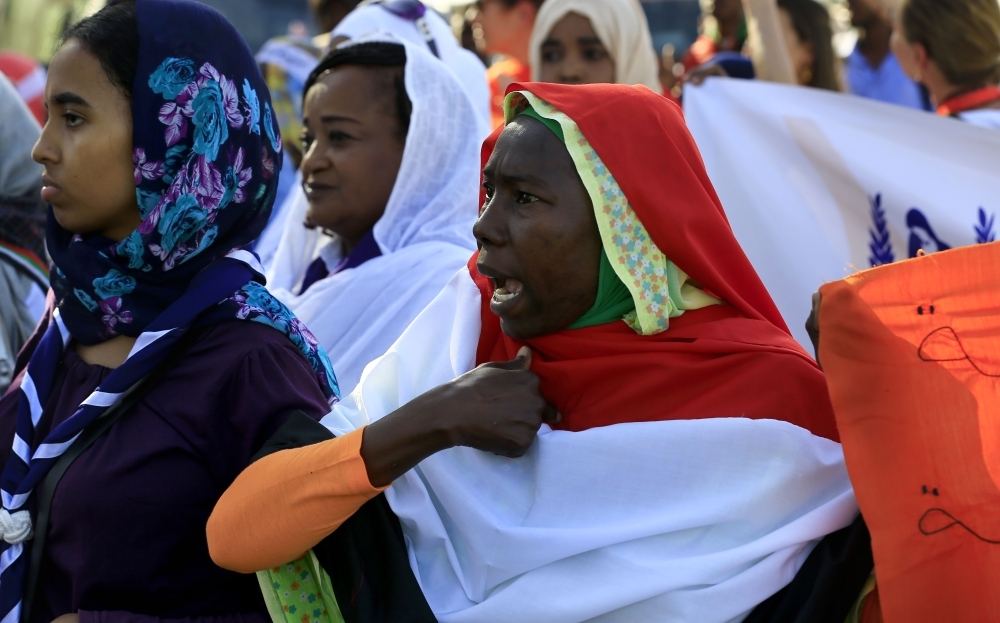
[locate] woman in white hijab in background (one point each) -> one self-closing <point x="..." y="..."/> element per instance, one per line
<point x="379" y="280"/>
<point x="365" y="19"/>
<point x="593" y="41"/>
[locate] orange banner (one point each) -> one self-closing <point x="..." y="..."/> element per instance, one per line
<point x="912" y="356"/>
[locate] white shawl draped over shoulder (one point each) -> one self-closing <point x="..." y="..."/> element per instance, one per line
<point x="425" y="234"/>
<point x="685" y="520"/>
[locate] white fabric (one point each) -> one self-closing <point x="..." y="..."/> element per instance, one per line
<point x="799" y="170"/>
<point x="620" y="25"/>
<point x="33" y="84"/>
<point x="469" y="70"/>
<point x="266" y="246"/>
<point x="15" y="528"/>
<point x="664" y="521"/>
<point x="35" y="302"/>
<point x="297" y="246"/>
<point x="425" y="234"/>
<point x="988" y="118"/>
<point x="296" y="57"/>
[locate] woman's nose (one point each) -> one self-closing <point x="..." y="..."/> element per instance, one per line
<point x="313" y="160"/>
<point x="489" y="230"/>
<point x="571" y="71"/>
<point x="45" y="150"/>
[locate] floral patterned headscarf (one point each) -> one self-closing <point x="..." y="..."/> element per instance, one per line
<point x="206" y="148"/>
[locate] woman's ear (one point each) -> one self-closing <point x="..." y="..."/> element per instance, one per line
<point x="810" y="54"/>
<point x="921" y="60"/>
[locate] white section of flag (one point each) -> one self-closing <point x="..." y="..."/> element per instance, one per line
<point x="805" y="174"/>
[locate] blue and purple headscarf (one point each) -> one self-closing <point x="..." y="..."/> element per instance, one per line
<point x="206" y="151"/>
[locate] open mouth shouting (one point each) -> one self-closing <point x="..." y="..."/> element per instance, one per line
<point x="506" y="295"/>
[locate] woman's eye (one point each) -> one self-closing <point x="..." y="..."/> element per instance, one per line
<point x="595" y="54"/>
<point x="551" y="55"/>
<point x="72" y="119"/>
<point x="526" y="198"/>
<point x="337" y="137"/>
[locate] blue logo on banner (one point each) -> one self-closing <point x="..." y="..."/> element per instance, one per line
<point x="880" y="245"/>
<point x="922" y="235"/>
<point x="984" y="228"/>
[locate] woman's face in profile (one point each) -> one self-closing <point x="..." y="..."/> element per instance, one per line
<point x="573" y="54"/>
<point x="538" y="238"/>
<point x="353" y="147"/>
<point x="86" y="148"/>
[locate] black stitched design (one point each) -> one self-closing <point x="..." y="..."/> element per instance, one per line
<point x="947" y="333"/>
<point x="954" y="522"/>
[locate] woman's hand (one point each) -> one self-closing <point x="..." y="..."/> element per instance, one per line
<point x="812" y="325"/>
<point x="707" y="70"/>
<point x="67" y="618"/>
<point x="496" y="407"/>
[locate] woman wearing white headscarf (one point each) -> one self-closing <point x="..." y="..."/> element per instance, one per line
<point x="290" y="62"/>
<point x="592" y="41"/>
<point x="357" y="284"/>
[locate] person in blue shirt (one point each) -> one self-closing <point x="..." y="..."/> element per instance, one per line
<point x="872" y="70"/>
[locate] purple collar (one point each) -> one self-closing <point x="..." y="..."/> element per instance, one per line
<point x="367" y="249"/>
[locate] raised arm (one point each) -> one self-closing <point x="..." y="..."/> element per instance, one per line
<point x="769" y="49"/>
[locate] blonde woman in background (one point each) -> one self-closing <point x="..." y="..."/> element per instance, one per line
<point x="952" y="47"/>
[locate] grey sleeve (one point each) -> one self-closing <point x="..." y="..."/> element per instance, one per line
<point x="19" y="174"/>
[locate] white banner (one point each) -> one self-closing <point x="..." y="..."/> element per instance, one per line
<point x="817" y="184"/>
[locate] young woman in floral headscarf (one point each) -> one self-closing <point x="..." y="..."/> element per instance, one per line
<point x="159" y="165"/>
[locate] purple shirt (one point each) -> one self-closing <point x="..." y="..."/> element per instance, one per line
<point x="126" y="538"/>
<point x="367" y="249"/>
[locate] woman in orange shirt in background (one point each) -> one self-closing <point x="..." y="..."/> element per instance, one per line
<point x="504" y="27"/>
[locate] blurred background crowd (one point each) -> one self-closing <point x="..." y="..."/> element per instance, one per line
<point x="836" y="44"/>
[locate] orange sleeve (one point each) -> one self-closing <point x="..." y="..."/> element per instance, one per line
<point x="287" y="502"/>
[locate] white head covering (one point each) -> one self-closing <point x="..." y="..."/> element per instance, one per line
<point x="298" y="60"/>
<point x="620" y="25"/>
<point x="425" y="234"/>
<point x="469" y="70"/>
